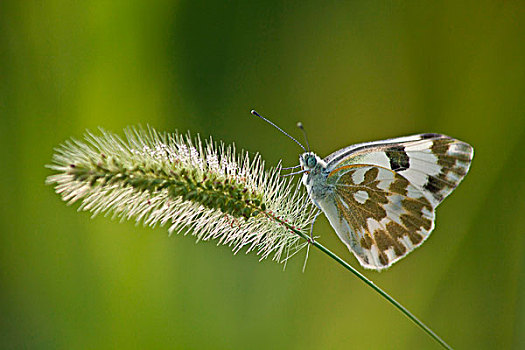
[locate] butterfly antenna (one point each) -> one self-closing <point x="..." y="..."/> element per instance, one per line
<point x="278" y="128"/>
<point x="300" y="126"/>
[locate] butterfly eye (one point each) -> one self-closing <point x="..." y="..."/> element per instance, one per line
<point x="311" y="162"/>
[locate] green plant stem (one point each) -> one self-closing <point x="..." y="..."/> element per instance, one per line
<point x="373" y="286"/>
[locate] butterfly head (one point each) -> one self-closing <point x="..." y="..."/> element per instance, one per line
<point x="308" y="161"/>
<point x="311" y="163"/>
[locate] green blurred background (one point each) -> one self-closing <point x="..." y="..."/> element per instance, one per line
<point x="351" y="72"/>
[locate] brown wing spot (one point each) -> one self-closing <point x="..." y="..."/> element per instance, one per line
<point x="460" y="171"/>
<point x="416" y="205"/>
<point x="366" y="241"/>
<point x="399" y="186"/>
<point x="433" y="185"/>
<point x="385" y="241"/>
<point x="399" y="249"/>
<point x="446" y="161"/>
<point x="442" y="176"/>
<point x="423" y="222"/>
<point x="397" y="231"/>
<point x="412" y="229"/>
<point x="344" y="212"/>
<point x="371" y="174"/>
<point x="450" y="153"/>
<point x="383" y="258"/>
<point x="373" y="207"/>
<point x="426" y="223"/>
<point x="462" y="157"/>
<point x="398" y="158"/>
<point x="439" y="185"/>
<point x="440" y="147"/>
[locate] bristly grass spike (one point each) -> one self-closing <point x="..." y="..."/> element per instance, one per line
<point x="207" y="189"/>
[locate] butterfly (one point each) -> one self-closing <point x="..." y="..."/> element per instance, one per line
<point x="380" y="197"/>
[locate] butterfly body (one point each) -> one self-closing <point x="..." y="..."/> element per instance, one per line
<point x="380" y="197"/>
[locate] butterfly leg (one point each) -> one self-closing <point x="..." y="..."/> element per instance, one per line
<point x="312" y="227"/>
<point x="292" y="174"/>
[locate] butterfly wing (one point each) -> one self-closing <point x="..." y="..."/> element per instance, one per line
<point x="433" y="163"/>
<point x="385" y="193"/>
<point x="380" y="215"/>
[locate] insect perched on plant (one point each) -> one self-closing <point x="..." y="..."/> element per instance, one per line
<point x="381" y="196"/>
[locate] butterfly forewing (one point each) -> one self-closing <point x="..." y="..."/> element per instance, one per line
<point x="383" y="216"/>
<point x="433" y="163"/>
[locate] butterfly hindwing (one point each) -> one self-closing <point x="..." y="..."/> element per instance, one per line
<point x="382" y="217"/>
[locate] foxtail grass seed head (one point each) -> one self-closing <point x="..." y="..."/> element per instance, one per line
<point x="206" y="189"/>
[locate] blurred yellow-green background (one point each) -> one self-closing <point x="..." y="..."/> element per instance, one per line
<point x="351" y="72"/>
